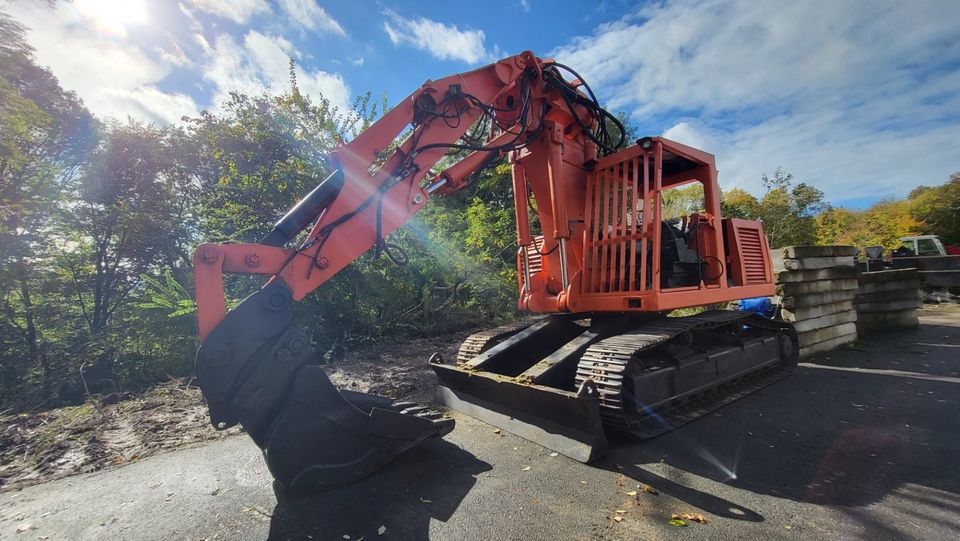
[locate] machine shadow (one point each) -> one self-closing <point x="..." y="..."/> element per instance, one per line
<point x="426" y="484"/>
<point x="828" y="434"/>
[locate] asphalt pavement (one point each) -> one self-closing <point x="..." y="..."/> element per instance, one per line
<point x="859" y="443"/>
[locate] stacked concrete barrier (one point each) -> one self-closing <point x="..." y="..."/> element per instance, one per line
<point x="817" y="285"/>
<point x="888" y="300"/>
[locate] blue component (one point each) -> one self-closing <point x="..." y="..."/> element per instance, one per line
<point x="757" y="305"/>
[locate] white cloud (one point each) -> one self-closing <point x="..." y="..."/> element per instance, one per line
<point x="174" y="55"/>
<point x="446" y="42"/>
<point x="859" y="99"/>
<point x="239" y="11"/>
<point x="308" y="14"/>
<point x="113" y="79"/>
<point x="261" y="64"/>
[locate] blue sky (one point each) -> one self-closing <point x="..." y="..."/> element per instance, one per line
<point x="861" y="99"/>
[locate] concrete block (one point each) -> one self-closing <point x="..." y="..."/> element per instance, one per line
<point x="787" y="277"/>
<point x="826" y="333"/>
<point x="884" y="321"/>
<point x="801" y="252"/>
<point x="816" y="299"/>
<point x="888" y="275"/>
<point x="884" y="296"/>
<point x="827" y="345"/>
<point x="814" y="263"/>
<point x="819" y="286"/>
<point x="892" y="285"/>
<point x="821" y="322"/>
<point x="810" y="312"/>
<point x="888" y="306"/>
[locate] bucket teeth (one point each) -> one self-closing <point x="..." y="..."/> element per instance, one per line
<point x="416" y="410"/>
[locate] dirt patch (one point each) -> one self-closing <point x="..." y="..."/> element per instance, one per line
<point x="40" y="446"/>
<point x="395" y="369"/>
<point x="117" y="429"/>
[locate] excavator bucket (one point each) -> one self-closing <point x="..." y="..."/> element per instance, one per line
<point x="258" y="370"/>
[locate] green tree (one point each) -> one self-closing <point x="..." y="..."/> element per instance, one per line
<point x="45" y="133"/>
<point x="738" y="203"/>
<point x="938" y="209"/>
<point x="682" y="201"/>
<point x="788" y="210"/>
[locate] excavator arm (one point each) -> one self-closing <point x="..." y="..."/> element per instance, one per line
<point x="257" y="368"/>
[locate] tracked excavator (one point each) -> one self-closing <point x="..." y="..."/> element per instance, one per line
<point x="599" y="267"/>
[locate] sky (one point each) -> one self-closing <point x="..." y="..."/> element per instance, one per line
<point x="860" y="99"/>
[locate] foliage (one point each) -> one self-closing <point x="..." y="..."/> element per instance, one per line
<point x="788" y="210"/>
<point x="880" y="225"/>
<point x="738" y="203"/>
<point x="938" y="209"/>
<point x="681" y="201"/>
<point x="166" y="294"/>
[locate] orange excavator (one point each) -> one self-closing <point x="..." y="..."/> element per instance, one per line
<point x="598" y="262"/>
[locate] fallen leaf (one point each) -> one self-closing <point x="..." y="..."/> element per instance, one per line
<point x="526" y="468"/>
<point x="497" y="431"/>
<point x="381" y="530"/>
<point x="690" y="517"/>
<point x="617" y="518"/>
<point x="632" y="493"/>
<point x="258" y="512"/>
<point x="676" y="522"/>
<point x="553" y="454"/>
<point x="648" y="489"/>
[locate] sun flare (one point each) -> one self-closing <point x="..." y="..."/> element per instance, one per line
<point x="113" y="16"/>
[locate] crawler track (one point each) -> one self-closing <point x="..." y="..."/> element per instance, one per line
<point x="478" y="342"/>
<point x="610" y="360"/>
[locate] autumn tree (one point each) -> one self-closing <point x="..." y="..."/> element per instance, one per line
<point x="937" y="208"/>
<point x="880" y="225"/>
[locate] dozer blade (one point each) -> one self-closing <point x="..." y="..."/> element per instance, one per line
<point x="524" y="384"/>
<point x="258" y="370"/>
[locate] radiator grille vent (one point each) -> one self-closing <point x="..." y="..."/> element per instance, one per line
<point x="751" y="249"/>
